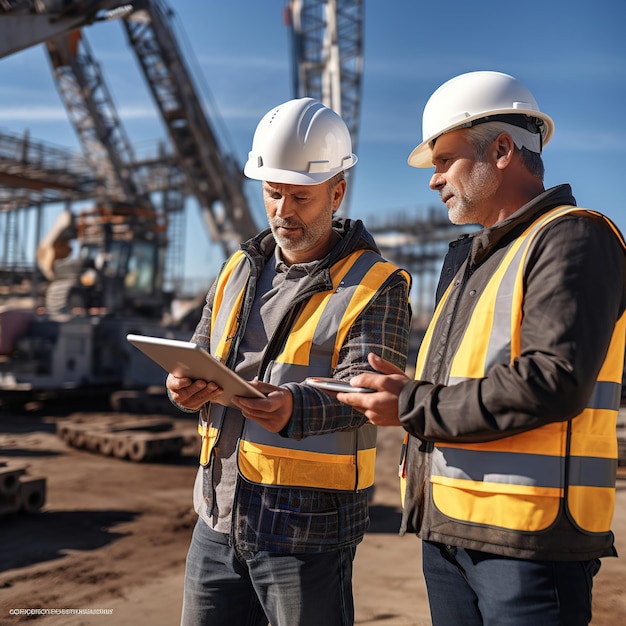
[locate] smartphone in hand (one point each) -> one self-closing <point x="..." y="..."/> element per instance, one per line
<point x="334" y="385"/>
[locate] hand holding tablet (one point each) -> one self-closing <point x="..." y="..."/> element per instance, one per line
<point x="185" y="359"/>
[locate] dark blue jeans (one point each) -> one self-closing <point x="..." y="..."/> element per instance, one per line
<point x="283" y="589"/>
<point x="469" y="588"/>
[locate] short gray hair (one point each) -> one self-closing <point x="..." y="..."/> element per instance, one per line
<point x="481" y="135"/>
<point x="334" y="181"/>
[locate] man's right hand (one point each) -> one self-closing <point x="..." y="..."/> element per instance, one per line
<point x="191" y="394"/>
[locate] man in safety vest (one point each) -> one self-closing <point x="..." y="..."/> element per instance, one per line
<point x="509" y="468"/>
<point x="282" y="488"/>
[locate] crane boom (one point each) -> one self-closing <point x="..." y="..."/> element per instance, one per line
<point x="212" y="175"/>
<point x="92" y="113"/>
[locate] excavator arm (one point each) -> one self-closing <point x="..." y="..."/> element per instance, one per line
<point x="26" y="23"/>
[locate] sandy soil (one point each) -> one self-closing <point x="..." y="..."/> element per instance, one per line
<point x="113" y="536"/>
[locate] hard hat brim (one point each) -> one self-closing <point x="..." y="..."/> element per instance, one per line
<point x="288" y="177"/>
<point x="421" y="155"/>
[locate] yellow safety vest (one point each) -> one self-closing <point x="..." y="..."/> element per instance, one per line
<point x="341" y="461"/>
<point x="520" y="482"/>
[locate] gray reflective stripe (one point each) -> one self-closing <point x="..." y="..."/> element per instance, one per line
<point x="331" y="443"/>
<point x="534" y="470"/>
<point x="366" y="437"/>
<point x="455" y="380"/>
<point x="592" y="472"/>
<point x="238" y="278"/>
<point x="325" y="335"/>
<point x="499" y="347"/>
<point x="499" y="467"/>
<point x="606" y="395"/>
<point x="289" y="373"/>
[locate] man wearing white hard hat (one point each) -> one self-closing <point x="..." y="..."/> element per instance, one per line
<point x="509" y="470"/>
<point x="282" y="489"/>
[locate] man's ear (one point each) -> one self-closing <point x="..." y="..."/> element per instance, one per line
<point x="339" y="191"/>
<point x="505" y="148"/>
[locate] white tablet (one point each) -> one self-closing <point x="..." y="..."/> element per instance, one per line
<point x="188" y="360"/>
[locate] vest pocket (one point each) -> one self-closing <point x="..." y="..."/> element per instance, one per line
<point x="512" y="507"/>
<point x="271" y="465"/>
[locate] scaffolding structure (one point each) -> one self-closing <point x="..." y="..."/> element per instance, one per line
<point x="418" y="241"/>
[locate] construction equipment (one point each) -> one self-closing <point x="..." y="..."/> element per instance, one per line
<point x="114" y="286"/>
<point x="73" y="337"/>
<point x="111" y="270"/>
<point x="32" y="22"/>
<point x="327" y="54"/>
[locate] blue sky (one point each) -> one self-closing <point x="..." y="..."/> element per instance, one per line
<point x="572" y="56"/>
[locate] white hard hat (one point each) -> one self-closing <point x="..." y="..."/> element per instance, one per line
<point x="300" y="142"/>
<point x="480" y="96"/>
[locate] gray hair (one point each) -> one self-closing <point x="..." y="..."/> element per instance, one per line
<point x="334" y="181"/>
<point x="482" y="135"/>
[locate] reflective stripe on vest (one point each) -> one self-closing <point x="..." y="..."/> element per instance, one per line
<point x="519" y="482"/>
<point x="342" y="461"/>
<point x="226" y="305"/>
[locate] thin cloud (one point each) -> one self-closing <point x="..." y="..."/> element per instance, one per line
<point x="56" y="113"/>
<point x="32" y="114"/>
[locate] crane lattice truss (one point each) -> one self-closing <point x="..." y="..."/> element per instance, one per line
<point x="213" y="176"/>
<point x="106" y="145"/>
<point x="93" y="115"/>
<point x="198" y="167"/>
<point x="327" y="40"/>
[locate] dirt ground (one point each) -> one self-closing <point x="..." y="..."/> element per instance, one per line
<point x="112" y="537"/>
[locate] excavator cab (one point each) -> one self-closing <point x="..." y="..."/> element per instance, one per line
<point x="118" y="269"/>
<point x="104" y="271"/>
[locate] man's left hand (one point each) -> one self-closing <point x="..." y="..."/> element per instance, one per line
<point x="380" y="407"/>
<point x="273" y="412"/>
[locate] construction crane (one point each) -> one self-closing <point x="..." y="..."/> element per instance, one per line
<point x="211" y="174"/>
<point x="327" y="58"/>
<point x="115" y="286"/>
